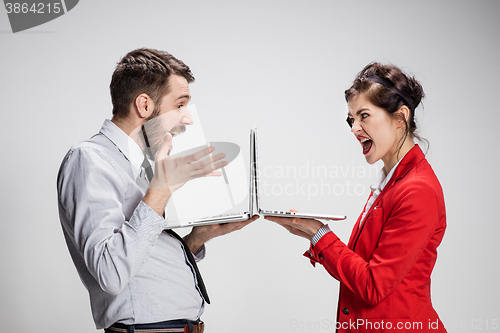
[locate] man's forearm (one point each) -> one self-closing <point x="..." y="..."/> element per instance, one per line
<point x="157" y="199"/>
<point x="194" y="242"/>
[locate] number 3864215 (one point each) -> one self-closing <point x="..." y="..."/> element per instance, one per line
<point x="35" y="8"/>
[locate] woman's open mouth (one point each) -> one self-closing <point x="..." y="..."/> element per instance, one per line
<point x="366" y="143"/>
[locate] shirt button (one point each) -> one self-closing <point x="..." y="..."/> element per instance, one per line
<point x="345" y="311"/>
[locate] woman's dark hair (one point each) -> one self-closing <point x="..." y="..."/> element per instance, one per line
<point x="387" y="87"/>
<point x="144" y="71"/>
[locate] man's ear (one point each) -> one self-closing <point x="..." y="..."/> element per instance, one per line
<point x="143" y="105"/>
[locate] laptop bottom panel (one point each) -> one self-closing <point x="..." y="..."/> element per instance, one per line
<point x="214" y="220"/>
<point x="302" y="215"/>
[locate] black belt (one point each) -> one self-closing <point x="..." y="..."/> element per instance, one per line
<point x="171" y="326"/>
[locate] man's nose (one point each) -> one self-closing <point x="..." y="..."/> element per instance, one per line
<point x="187" y="118"/>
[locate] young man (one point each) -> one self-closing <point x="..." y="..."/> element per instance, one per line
<point x="139" y="276"/>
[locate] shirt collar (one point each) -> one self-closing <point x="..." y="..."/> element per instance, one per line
<point x="125" y="143"/>
<point x="382" y="180"/>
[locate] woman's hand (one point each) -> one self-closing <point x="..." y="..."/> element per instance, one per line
<point x="306" y="228"/>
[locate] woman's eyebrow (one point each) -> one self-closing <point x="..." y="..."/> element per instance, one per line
<point x="361" y="110"/>
<point x="349" y="114"/>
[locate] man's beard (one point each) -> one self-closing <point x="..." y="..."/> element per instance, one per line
<point x="154" y="134"/>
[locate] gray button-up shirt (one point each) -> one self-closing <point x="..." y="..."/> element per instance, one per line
<point x="135" y="272"/>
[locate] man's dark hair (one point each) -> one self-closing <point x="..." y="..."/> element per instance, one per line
<point x="144" y="71"/>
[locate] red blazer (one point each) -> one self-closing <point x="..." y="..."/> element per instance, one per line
<point x="385" y="270"/>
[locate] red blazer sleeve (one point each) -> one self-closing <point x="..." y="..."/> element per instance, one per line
<point x="411" y="220"/>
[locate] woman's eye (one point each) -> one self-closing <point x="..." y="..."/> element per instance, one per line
<point x="364" y="115"/>
<point x="350" y="121"/>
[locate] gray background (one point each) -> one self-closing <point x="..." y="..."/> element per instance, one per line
<point x="281" y="66"/>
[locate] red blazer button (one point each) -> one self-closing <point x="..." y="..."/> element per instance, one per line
<point x="345" y="311"/>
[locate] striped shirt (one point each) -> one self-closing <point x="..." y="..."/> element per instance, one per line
<point x="135" y="272"/>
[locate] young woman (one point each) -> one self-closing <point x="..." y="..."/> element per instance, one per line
<point x="384" y="270"/>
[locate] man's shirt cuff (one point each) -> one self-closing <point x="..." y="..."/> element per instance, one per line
<point x="200" y="254"/>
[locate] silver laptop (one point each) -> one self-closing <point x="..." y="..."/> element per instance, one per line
<point x="253" y="199"/>
<point x="261" y="211"/>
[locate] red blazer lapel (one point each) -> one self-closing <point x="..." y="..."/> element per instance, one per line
<point x="352" y="245"/>
<point x="414" y="156"/>
<point x="356" y="230"/>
